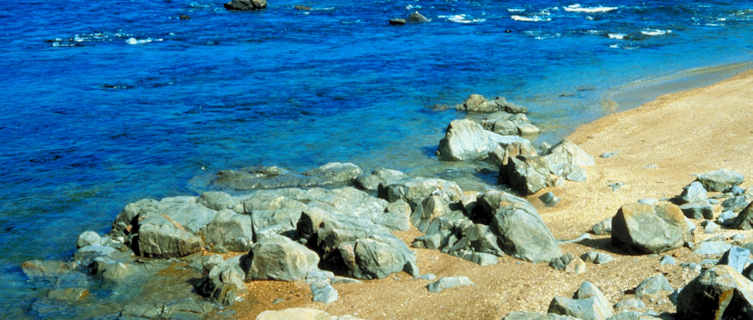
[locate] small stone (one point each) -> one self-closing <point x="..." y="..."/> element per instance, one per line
<point x="302" y="8"/>
<point x="428" y="276"/>
<point x="726" y="218"/>
<point x="616" y="186"/>
<point x="693" y="192"/>
<point x="549" y="199"/>
<point x="712" y="248"/>
<point x="323" y="292"/>
<point x="736" y="191"/>
<point x="577" y="266"/>
<point x="448" y="283"/>
<point x="278" y="300"/>
<point x="698" y="210"/>
<point x="710" y="227"/>
<point x="561" y="262"/>
<point x="607" y="155"/>
<point x="649" y="201"/>
<point x="597" y="257"/>
<point x="630" y="304"/>
<point x="653" y="288"/>
<point x="667" y="260"/>
<point x="602" y="228"/>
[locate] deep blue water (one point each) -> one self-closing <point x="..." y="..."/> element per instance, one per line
<point x="109" y="102"/>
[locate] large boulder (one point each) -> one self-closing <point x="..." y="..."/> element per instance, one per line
<point x="253" y="178"/>
<point x="467" y="140"/>
<point x="276" y="257"/>
<point x="229" y="231"/>
<point x="718" y="293"/>
<point x="649" y="229"/>
<point x="245" y="5"/>
<point x="416" y="190"/>
<point x="720" y="180"/>
<point x="520" y="230"/>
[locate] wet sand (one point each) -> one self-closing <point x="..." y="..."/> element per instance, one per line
<point x="659" y="147"/>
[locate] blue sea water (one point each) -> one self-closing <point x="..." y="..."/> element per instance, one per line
<point x="109" y="102"/>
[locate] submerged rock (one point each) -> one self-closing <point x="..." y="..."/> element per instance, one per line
<point x="252" y="178"/>
<point x="649" y="229"/>
<point x="245" y="5"/>
<point x="477" y="103"/>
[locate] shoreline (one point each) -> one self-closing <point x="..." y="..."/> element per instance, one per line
<point x="659" y="146"/>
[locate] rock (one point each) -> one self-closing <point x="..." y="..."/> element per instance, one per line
<point x="589" y="290"/>
<point x="649" y="229"/>
<point x="710" y="227"/>
<point x="224" y="283"/>
<point x="323" y="292"/>
<point x="712" y="248"/>
<point x="649" y="201"/>
<point x="522" y="233"/>
<point x="602" y="228"/>
<point x="667" y="260"/>
<point x="616" y="186"/>
<point x="737" y="258"/>
<point x="449" y="283"/>
<point x="477" y="103"/>
<point x="726" y="218"/>
<point x="245" y="5"/>
<point x="577" y="266"/>
<point x="279" y="258"/>
<point x="509" y="124"/>
<point x="653" y="288"/>
<point x="720" y="180"/>
<point x="693" y="192"/>
<point x="45" y="268"/>
<point x="397" y="21"/>
<point x="467" y="140"/>
<point x="561" y="262"/>
<point x="216" y="200"/>
<point x="253" y="178"/>
<point x="416" y="17"/>
<point x="607" y="155"/>
<point x="597" y="257"/>
<point x="535" y="316"/>
<point x="162" y="238"/>
<point x="718" y="293"/>
<point x="428" y="276"/>
<point x="698" y="210"/>
<point x="69" y="295"/>
<point x="736" y="204"/>
<point x="300" y="314"/>
<point x="385" y="177"/>
<point x="415" y="190"/>
<point x="301" y="7"/>
<point x="229" y="232"/>
<point x="586" y="309"/>
<point x="736" y="191"/>
<point x="87" y="238"/>
<point x="549" y="199"/>
<point x="530" y="173"/>
<point x="744" y="220"/>
<point x="630" y="304"/>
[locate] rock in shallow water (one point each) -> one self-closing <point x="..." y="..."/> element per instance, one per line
<point x="467" y="140"/>
<point x="246" y="5"/>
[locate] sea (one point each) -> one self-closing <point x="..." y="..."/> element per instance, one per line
<point x="110" y="102"/>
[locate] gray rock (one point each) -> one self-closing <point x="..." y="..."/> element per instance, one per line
<point x="649" y="201"/>
<point x="737" y="258"/>
<point x="276" y="257"/>
<point x="245" y="5"/>
<point x="449" y="283"/>
<point x="589" y="290"/>
<point x="224" y="283"/>
<point x="744" y="220"/>
<point x="616" y="186"/>
<point x="720" y="292"/>
<point x="698" y="210"/>
<point x="597" y="257"/>
<point x="252" y="178"/>
<point x="712" y="248"/>
<point x="667" y="260"/>
<point x="736" y="203"/>
<point x="720" y="180"/>
<point x="561" y="262"/>
<point x="69" y="295"/>
<point x="586" y="309"/>
<point x="385" y="177"/>
<point x="693" y="192"/>
<point x="710" y="227"/>
<point x="535" y="316"/>
<point x="520" y="230"/>
<point x="653" y="288"/>
<point x="477" y="103"/>
<point x="630" y="304"/>
<point x="45" y="268"/>
<point x="467" y="140"/>
<point x="88" y="238"/>
<point x="607" y="155"/>
<point x="216" y="200"/>
<point x="526" y="174"/>
<point x="323" y="292"/>
<point x="229" y="232"/>
<point x="649" y="229"/>
<point x="416" y="17"/>
<point x="428" y="276"/>
<point x="549" y="199"/>
<point x="633" y="315"/>
<point x="726" y="218"/>
<point x="736" y="191"/>
<point x="602" y="228"/>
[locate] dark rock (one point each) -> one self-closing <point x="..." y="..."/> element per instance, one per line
<point x="607" y="155"/>
<point x="302" y="7"/>
<point x="602" y="228"/>
<point x="561" y="262"/>
<point x="597" y="257"/>
<point x="276" y="257"/>
<point x="744" y="220"/>
<point x="736" y="204"/>
<point x="416" y="17"/>
<point x="477" y="103"/>
<point x="649" y="229"/>
<point x="184" y="17"/>
<point x="698" y="210"/>
<point x="467" y="140"/>
<point x="549" y="199"/>
<point x="718" y="293"/>
<point x="449" y="283"/>
<point x="397" y="21"/>
<point x="720" y="180"/>
<point x="245" y="5"/>
<point x="667" y="260"/>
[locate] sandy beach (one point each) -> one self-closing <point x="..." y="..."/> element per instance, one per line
<point x="659" y="147"/>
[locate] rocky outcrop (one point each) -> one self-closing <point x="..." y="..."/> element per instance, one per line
<point x="528" y="174"/>
<point x="246" y="5"/>
<point x="467" y="140"/>
<point x="477" y="103"/>
<point x="718" y="293"/>
<point x="229" y="231"/>
<point x="720" y="180"/>
<point x="275" y="257"/>
<point x="649" y="229"/>
<point x="253" y="178"/>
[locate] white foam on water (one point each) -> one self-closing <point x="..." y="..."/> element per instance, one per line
<point x="462" y="18"/>
<point x="618" y="36"/>
<point x="530" y="19"/>
<point x="134" y="41"/>
<point x="411" y="7"/>
<point x="599" y="9"/>
<point x="655" y="32"/>
<point x="516" y="10"/>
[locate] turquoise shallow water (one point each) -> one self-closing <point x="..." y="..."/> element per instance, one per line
<point x="107" y="103"/>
